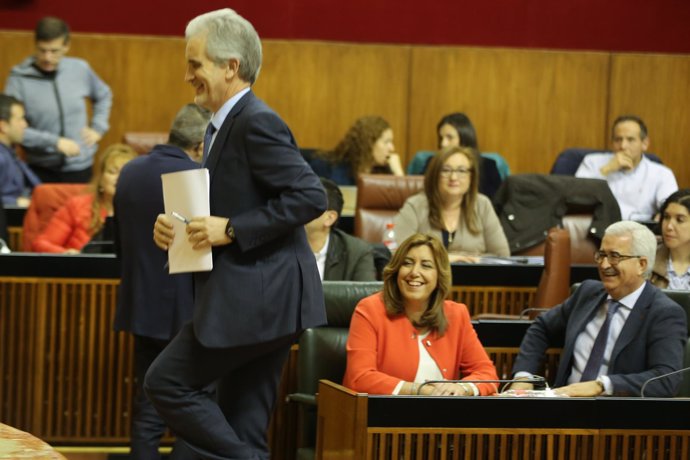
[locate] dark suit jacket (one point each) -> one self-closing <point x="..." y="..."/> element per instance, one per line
<point x="528" y="205"/>
<point x="651" y="343"/>
<point x="265" y="284"/>
<point x="151" y="303"/>
<point x="348" y="259"/>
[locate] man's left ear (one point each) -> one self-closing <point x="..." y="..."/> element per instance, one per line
<point x="643" y="264"/>
<point x="331" y="217"/>
<point x="645" y="144"/>
<point x="233" y="68"/>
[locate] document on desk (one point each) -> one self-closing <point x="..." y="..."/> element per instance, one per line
<point x="186" y="193"/>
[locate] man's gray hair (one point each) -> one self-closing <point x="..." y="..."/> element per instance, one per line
<point x="643" y="240"/>
<point x="229" y="36"/>
<point x="189" y="127"/>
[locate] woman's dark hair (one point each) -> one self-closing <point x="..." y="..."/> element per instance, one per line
<point x="433" y="317"/>
<point x="681" y="197"/>
<point x="464" y="127"/>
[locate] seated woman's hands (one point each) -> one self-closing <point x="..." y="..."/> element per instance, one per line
<point x="441" y="389"/>
<point x="395" y="164"/>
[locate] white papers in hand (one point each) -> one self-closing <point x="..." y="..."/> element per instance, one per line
<point x="186" y="192"/>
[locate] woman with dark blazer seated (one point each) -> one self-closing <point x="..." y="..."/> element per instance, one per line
<point x="456" y="130"/>
<point x="672" y="265"/>
<point x="451" y="209"/>
<point x="366" y="148"/>
<point x="410" y="334"/>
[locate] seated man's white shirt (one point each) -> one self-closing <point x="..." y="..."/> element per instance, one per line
<point x="640" y="192"/>
<point x="585" y="340"/>
<point x="321" y="257"/>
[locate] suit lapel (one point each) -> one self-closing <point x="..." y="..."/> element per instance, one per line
<point x="223" y="133"/>
<point x="586" y="316"/>
<point x="576" y="324"/>
<point x="332" y="257"/>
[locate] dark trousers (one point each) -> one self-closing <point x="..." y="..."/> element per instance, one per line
<point x="67" y="177"/>
<point x="147" y="425"/>
<point x="235" y="426"/>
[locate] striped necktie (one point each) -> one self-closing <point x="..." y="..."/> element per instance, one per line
<point x="596" y="357"/>
<point x="208" y="137"/>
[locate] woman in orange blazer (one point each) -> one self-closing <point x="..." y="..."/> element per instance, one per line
<point x="83" y="216"/>
<point x="409" y="334"/>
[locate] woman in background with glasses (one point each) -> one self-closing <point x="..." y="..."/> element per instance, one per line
<point x="672" y="266"/>
<point x="451" y="208"/>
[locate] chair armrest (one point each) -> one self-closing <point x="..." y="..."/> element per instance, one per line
<point x="302" y="398"/>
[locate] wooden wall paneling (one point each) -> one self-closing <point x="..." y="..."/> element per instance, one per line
<point x="15" y="46"/>
<point x="321" y="88"/>
<point x="146" y="75"/>
<point x="657" y="88"/>
<point x="526" y="105"/>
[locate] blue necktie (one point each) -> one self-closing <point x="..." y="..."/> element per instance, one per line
<point x="208" y="137"/>
<point x="596" y="357"/>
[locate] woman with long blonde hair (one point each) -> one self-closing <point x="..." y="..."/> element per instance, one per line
<point x="82" y="217"/>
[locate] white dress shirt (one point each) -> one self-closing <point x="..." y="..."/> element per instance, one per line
<point x="639" y="192"/>
<point x="585" y="340"/>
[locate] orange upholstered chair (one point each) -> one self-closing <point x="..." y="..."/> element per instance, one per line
<point x="379" y="198"/>
<point x="45" y="200"/>
<point x="554" y="285"/>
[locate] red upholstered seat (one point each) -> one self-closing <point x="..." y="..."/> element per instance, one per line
<point x="379" y="198"/>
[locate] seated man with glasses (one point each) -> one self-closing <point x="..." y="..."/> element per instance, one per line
<point x="617" y="333"/>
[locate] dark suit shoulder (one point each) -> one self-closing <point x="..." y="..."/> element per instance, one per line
<point x="352" y="243"/>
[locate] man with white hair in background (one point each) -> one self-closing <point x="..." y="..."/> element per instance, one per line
<point x="264" y="288"/>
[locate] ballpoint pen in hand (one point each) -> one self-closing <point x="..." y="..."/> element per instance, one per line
<point x="180" y="217"/>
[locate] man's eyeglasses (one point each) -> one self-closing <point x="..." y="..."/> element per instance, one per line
<point x="613" y="257"/>
<point x="447" y="172"/>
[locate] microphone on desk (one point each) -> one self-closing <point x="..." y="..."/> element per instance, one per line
<point x="535" y="379"/>
<point x="659" y="377"/>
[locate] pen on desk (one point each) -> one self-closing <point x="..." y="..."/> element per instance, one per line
<point x="180" y="217"/>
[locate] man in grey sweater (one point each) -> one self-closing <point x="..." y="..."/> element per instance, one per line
<point x="60" y="142"/>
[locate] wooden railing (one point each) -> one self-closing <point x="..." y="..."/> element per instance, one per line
<point x="502" y="300"/>
<point x="67" y="377"/>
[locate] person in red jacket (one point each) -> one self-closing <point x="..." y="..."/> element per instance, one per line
<point x="83" y="216"/>
<point x="409" y="333"/>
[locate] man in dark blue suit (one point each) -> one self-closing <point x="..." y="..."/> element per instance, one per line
<point x="264" y="288"/>
<point x="152" y="305"/>
<point x="616" y="334"/>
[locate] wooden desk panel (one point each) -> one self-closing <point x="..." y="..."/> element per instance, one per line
<point x="357" y="426"/>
